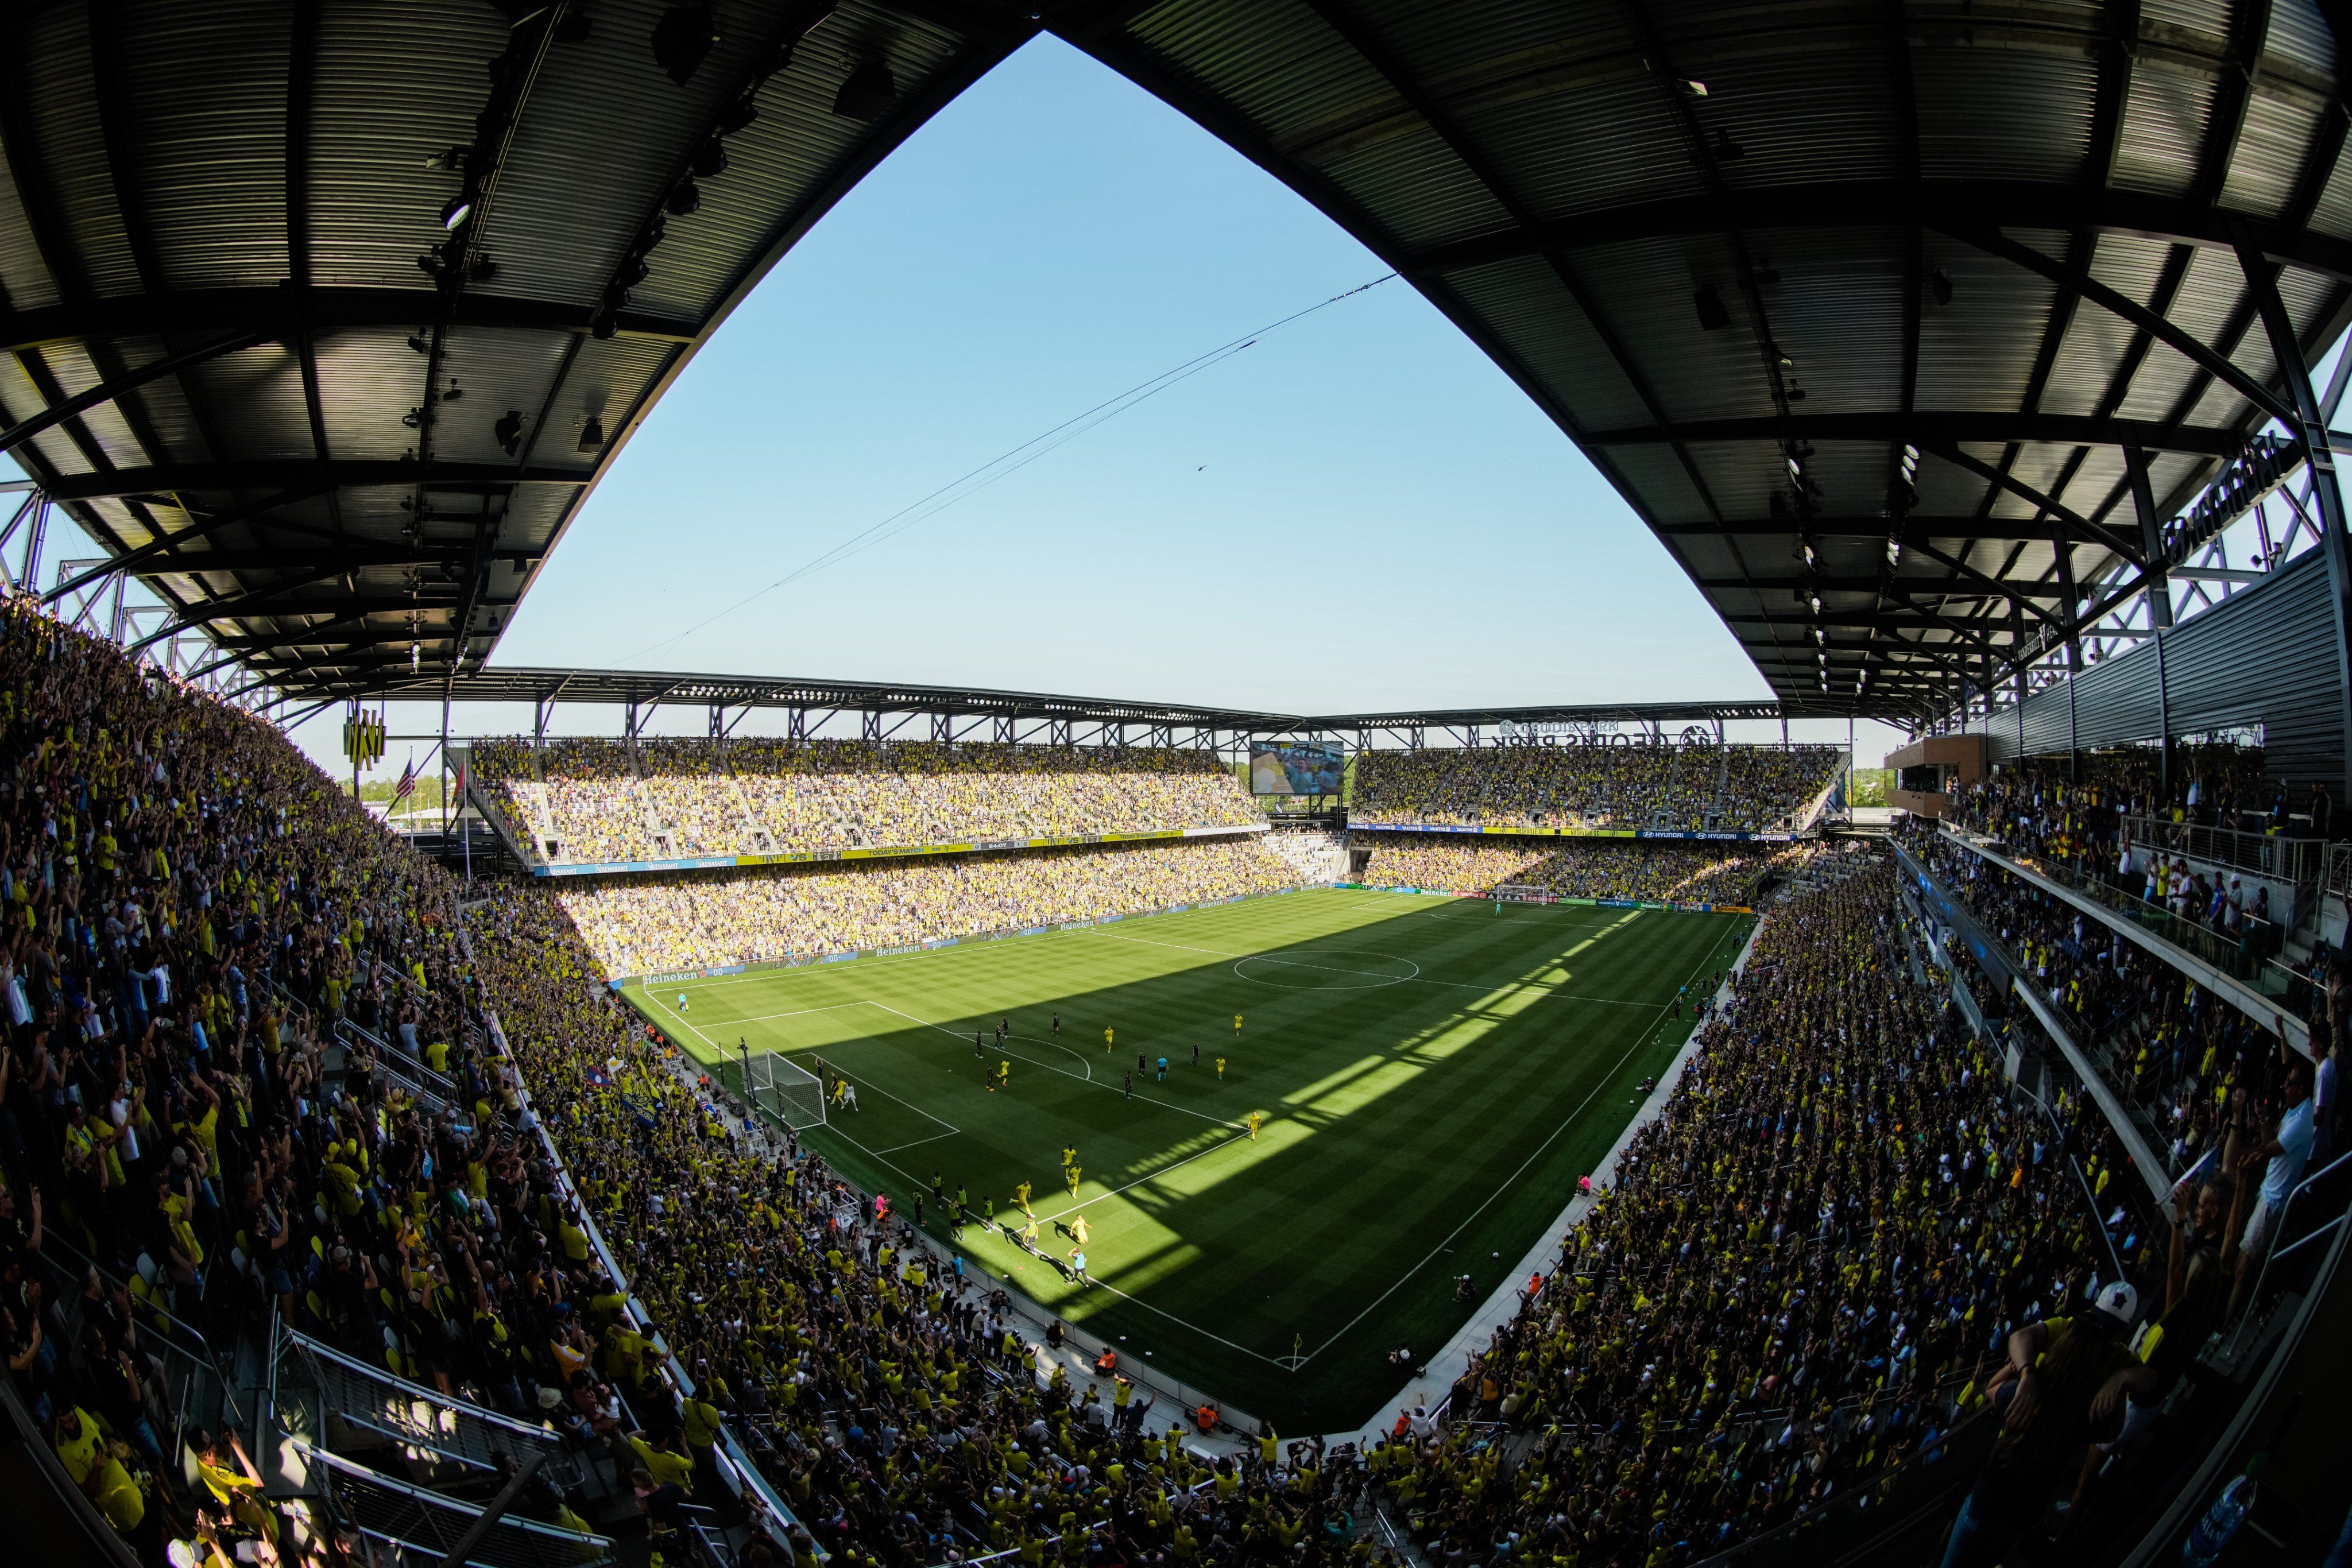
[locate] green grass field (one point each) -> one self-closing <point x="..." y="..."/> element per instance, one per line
<point x="1433" y="1075"/>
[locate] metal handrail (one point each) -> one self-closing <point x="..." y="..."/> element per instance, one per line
<point x="2298" y="1245"/>
<point x="735" y="1467"/>
<point x="2182" y="931"/>
<point x="201" y="1358"/>
<point x="2297" y="860"/>
<point x="408" y="1060"/>
<point x="433" y="1500"/>
<point x="2286" y="1211"/>
<point x="304" y="1345"/>
<point x="2160" y="937"/>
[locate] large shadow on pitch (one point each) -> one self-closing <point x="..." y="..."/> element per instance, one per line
<point x="1432" y="1076"/>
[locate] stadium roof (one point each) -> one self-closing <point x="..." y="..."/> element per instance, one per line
<point x="640" y="691"/>
<point x="327" y="316"/>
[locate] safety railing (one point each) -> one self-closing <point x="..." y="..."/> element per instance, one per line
<point x="2286" y="1218"/>
<point x="2242" y="957"/>
<point x="409" y="1066"/>
<point x="191" y="1367"/>
<point x="318" y="1385"/>
<point x="736" y="1469"/>
<point x="421" y="1525"/>
<point x="2279" y="856"/>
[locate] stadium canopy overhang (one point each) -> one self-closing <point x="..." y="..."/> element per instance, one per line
<point x="893" y="711"/>
<point x="1913" y="330"/>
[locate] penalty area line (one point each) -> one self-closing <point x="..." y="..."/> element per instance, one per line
<point x="1147" y="1176"/>
<point x="1059" y="1071"/>
<point x="880" y="1156"/>
<point x="787" y="1055"/>
<point x="1188" y="1324"/>
<point x="894" y="1148"/>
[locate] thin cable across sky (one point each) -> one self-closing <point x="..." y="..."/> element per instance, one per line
<point x="1006" y="464"/>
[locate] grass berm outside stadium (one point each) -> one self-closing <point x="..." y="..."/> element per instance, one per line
<point x="1434" y="1076"/>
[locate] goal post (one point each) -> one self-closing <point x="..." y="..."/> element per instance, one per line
<point x="782" y="1088"/>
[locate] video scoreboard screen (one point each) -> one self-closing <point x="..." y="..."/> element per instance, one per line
<point x="1295" y="767"/>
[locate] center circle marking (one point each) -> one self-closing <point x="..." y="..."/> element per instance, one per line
<point x="1308" y="974"/>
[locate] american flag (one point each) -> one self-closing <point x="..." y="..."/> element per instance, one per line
<point x="407" y="785"/>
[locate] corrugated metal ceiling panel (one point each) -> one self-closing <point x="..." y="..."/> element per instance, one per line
<point x="1785" y="189"/>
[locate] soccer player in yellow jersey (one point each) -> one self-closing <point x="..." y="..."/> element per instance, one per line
<point x="1105" y="1040"/>
<point x="1237" y="1025"/>
<point x="1074" y="1172"/>
<point x="1021" y="1196"/>
<point x="1079" y="1231"/>
<point x="1069" y="1154"/>
<point x="1221" y="1070"/>
<point x="1255" y="1117"/>
<point x="1004" y="1074"/>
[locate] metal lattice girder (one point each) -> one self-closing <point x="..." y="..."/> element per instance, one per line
<point x="1752" y="324"/>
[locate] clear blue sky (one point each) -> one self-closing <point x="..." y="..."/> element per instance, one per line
<point x="1359" y="511"/>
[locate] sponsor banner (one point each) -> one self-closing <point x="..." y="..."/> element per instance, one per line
<point x="1721" y="837"/>
<point x="1472" y="828"/>
<point x="602" y="868"/>
<point x="1573" y="832"/>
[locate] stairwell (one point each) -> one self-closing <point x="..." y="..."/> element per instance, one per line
<point x="757" y="834"/>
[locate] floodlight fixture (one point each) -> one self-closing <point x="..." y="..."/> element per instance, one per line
<point x="683" y="39"/>
<point x="869" y="90"/>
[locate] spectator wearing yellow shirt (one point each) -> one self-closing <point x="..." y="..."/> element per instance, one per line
<point x="668" y="1467"/>
<point x="89" y="1458"/>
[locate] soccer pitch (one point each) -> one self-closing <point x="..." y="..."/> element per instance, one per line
<point x="1434" y="1076"/>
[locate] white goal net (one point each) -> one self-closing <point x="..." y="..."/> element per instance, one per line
<point x="782" y="1088"/>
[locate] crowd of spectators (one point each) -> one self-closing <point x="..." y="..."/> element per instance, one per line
<point x="594" y="804"/>
<point x="692" y="797"/>
<point x="1818" y="1245"/>
<point x="2102" y="830"/>
<point x="696" y="920"/>
<point x="191" y="904"/>
<point x="896" y="1406"/>
<point x="1835" y="1227"/>
<point x="193" y="907"/>
<point x="2185" y="1059"/>
<point x="2091" y="809"/>
<point x="1686" y="789"/>
<point x="1647" y="870"/>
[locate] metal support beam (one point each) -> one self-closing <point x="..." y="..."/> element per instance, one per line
<point x="2309" y="422"/>
<point x="1941" y="428"/>
<point x="1993" y="243"/>
<point x="2084" y="528"/>
<point x="129" y="380"/>
<point x="496" y="1510"/>
<point x="164" y="545"/>
<point x="2151" y="539"/>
